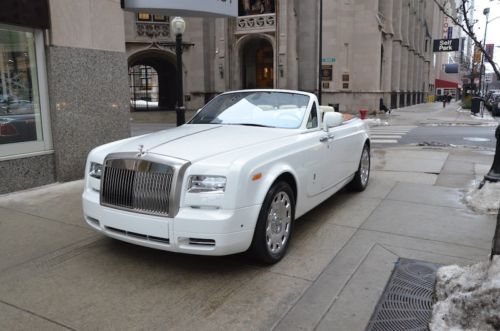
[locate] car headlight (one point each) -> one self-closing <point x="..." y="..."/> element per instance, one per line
<point x="95" y="170"/>
<point x="202" y="184"/>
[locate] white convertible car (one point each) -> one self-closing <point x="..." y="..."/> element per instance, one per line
<point x="233" y="179"/>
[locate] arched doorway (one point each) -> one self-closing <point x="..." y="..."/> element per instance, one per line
<point x="257" y="64"/>
<point x="152" y="80"/>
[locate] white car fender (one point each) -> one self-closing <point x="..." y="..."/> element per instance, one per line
<point x="269" y="178"/>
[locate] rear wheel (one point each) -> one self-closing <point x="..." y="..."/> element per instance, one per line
<point x="274" y="225"/>
<point x="361" y="177"/>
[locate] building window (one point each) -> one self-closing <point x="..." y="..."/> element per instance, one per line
<point x="144" y="89"/>
<point x="256" y="7"/>
<point x="144" y="17"/>
<point x="147" y="17"/>
<point x="152" y="25"/>
<point x="24" y="127"/>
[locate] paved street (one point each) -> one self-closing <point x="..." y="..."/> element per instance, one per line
<point x="57" y="274"/>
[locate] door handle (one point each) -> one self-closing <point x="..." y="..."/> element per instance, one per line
<point x="329" y="137"/>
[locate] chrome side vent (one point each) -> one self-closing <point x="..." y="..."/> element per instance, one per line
<point x="138" y="235"/>
<point x="201" y="242"/>
<point x="93" y="221"/>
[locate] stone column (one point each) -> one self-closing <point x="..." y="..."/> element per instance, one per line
<point x="396" y="50"/>
<point x="87" y="107"/>
<point x="291" y="67"/>
<point x="386" y="8"/>
<point x="405" y="15"/>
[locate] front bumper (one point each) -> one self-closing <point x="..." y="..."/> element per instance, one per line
<point x="192" y="231"/>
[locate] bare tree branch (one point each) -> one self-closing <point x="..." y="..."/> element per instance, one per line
<point x="468" y="28"/>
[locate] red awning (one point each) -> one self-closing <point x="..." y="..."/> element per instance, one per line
<point x="440" y="83"/>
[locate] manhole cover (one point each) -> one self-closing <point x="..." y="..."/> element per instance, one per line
<point x="477" y="139"/>
<point x="406" y="303"/>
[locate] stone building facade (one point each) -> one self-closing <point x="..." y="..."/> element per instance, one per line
<point x="64" y="85"/>
<point x="370" y="50"/>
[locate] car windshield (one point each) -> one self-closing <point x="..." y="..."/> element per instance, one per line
<point x="255" y="108"/>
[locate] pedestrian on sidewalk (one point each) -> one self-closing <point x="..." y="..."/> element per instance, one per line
<point x="383" y="107"/>
<point x="445" y="99"/>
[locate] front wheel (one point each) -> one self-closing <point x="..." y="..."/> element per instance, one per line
<point x="361" y="177"/>
<point x="274" y="225"/>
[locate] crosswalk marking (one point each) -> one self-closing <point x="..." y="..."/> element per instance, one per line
<point x="384" y="141"/>
<point x="389" y="134"/>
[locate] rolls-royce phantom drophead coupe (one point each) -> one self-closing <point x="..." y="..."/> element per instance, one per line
<point x="233" y="179"/>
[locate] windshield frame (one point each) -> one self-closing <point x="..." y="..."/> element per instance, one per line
<point x="296" y="116"/>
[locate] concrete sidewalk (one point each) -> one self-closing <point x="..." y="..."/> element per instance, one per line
<point x="55" y="273"/>
<point x="435" y="114"/>
<point x="58" y="274"/>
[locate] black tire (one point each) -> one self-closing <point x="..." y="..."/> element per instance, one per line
<point x="361" y="178"/>
<point x="261" y="242"/>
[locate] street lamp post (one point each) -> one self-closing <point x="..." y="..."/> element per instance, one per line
<point x="178" y="26"/>
<point x="486" y="13"/>
<point x="494" y="174"/>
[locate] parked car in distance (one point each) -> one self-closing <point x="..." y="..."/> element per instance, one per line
<point x="232" y="179"/>
<point x="494" y="104"/>
<point x="488" y="98"/>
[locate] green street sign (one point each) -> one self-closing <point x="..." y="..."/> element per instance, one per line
<point x="328" y="59"/>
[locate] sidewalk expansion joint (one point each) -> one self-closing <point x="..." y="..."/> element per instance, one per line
<point x="425" y="239"/>
<point x="37" y="315"/>
<point x="339" y="293"/>
<point x="46" y="218"/>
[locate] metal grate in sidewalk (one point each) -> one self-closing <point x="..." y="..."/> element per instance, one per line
<point x="406" y="303"/>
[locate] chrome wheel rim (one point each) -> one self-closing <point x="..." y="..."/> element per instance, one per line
<point x="364" y="168"/>
<point x="279" y="219"/>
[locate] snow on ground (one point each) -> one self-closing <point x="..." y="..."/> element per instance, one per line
<point x="468" y="297"/>
<point x="485" y="200"/>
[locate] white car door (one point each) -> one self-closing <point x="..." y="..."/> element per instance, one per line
<point x="340" y="154"/>
<point x="314" y="161"/>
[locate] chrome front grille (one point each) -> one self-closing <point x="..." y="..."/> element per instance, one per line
<point x="138" y="185"/>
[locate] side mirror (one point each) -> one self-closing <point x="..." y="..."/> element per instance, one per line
<point x="331" y="120"/>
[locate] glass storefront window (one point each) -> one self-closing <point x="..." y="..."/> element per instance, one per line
<point x="20" y="96"/>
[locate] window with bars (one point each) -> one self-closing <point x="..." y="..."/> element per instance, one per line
<point x="144" y="87"/>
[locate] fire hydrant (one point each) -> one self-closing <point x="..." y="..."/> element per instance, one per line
<point x="362" y="113"/>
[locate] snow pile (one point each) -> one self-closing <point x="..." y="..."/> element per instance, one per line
<point x="468" y="297"/>
<point x="485" y="200"/>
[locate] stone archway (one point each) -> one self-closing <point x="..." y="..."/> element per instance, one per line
<point x="152" y="80"/>
<point x="257" y="65"/>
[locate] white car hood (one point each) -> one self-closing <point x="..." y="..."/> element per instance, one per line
<point x="193" y="142"/>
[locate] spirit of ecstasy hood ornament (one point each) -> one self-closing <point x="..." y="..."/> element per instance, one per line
<point x="141" y="151"/>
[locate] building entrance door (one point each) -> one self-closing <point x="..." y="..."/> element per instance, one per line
<point x="258" y="64"/>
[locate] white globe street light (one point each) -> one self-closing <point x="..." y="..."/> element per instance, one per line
<point x="177" y="25"/>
